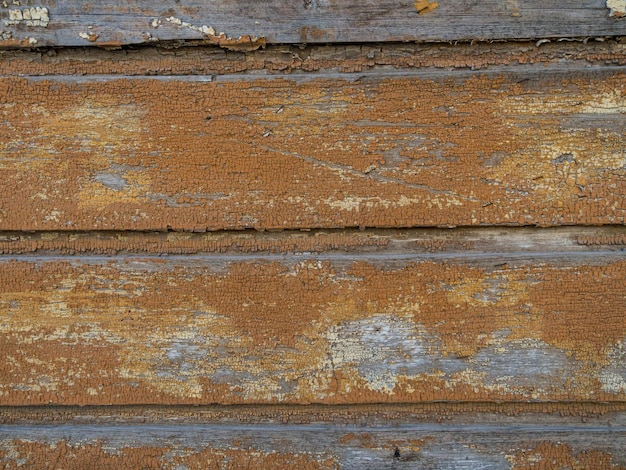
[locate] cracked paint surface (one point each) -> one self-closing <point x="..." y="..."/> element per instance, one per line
<point x="146" y="330"/>
<point x="339" y="154"/>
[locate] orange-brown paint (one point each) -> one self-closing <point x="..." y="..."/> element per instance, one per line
<point x="425" y="6"/>
<point x="152" y="155"/>
<point x="285" y="59"/>
<point x="94" y="155"/>
<point x="549" y="455"/>
<point x="150" y="330"/>
<point x="383" y="414"/>
<point x="110" y="243"/>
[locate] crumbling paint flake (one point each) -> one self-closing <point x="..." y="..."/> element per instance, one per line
<point x="425" y="6"/>
<point x="33" y="16"/>
<point x="242" y="43"/>
<point x="617" y="8"/>
<point x="91" y="37"/>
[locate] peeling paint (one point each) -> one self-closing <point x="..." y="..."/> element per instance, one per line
<point x="381" y="348"/>
<point x="613" y="375"/>
<point x="440" y="181"/>
<point x="241" y="43"/>
<point x="91" y="37"/>
<point x="617" y="8"/>
<point x="33" y="16"/>
<point x="425" y="6"/>
<point x="161" y="331"/>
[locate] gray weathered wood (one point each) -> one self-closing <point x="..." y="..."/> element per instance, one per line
<point x="514" y="443"/>
<point x="78" y="23"/>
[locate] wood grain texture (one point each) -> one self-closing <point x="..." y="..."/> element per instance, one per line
<point x="517" y="444"/>
<point x="368" y="321"/>
<point x="346" y="328"/>
<point x="106" y="23"/>
<point x="397" y="149"/>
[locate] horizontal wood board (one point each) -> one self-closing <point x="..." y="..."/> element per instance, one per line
<point x="529" y="146"/>
<point x="518" y="444"/>
<point x="241" y="24"/>
<point x="278" y="60"/>
<point x="372" y="319"/>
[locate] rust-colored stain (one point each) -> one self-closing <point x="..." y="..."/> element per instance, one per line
<point x="146" y="330"/>
<point x="275" y="154"/>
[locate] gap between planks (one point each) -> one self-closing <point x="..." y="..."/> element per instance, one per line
<point x="570" y="414"/>
<point x="287" y="60"/>
<point x="427" y="243"/>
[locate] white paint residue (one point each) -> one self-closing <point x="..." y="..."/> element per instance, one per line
<point x="204" y="29"/>
<point x="612" y="382"/>
<point x="381" y="349"/>
<point x="33" y="16"/>
<point x="613" y="376"/>
<point x="617" y="8"/>
<point x="607" y="103"/>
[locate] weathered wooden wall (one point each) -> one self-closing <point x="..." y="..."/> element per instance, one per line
<point x="313" y="235"/>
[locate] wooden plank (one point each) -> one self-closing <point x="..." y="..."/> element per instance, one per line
<point x="377" y="323"/>
<point x="516" y="444"/>
<point x="236" y="23"/>
<point x="287" y="60"/>
<point x="527" y="146"/>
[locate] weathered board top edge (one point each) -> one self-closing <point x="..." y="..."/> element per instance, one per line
<point x="236" y="24"/>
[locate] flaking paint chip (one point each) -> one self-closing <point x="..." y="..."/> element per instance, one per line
<point x="617" y="8"/>
<point x="425" y="6"/>
<point x="91" y="37"/>
<point x="33" y="16"/>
